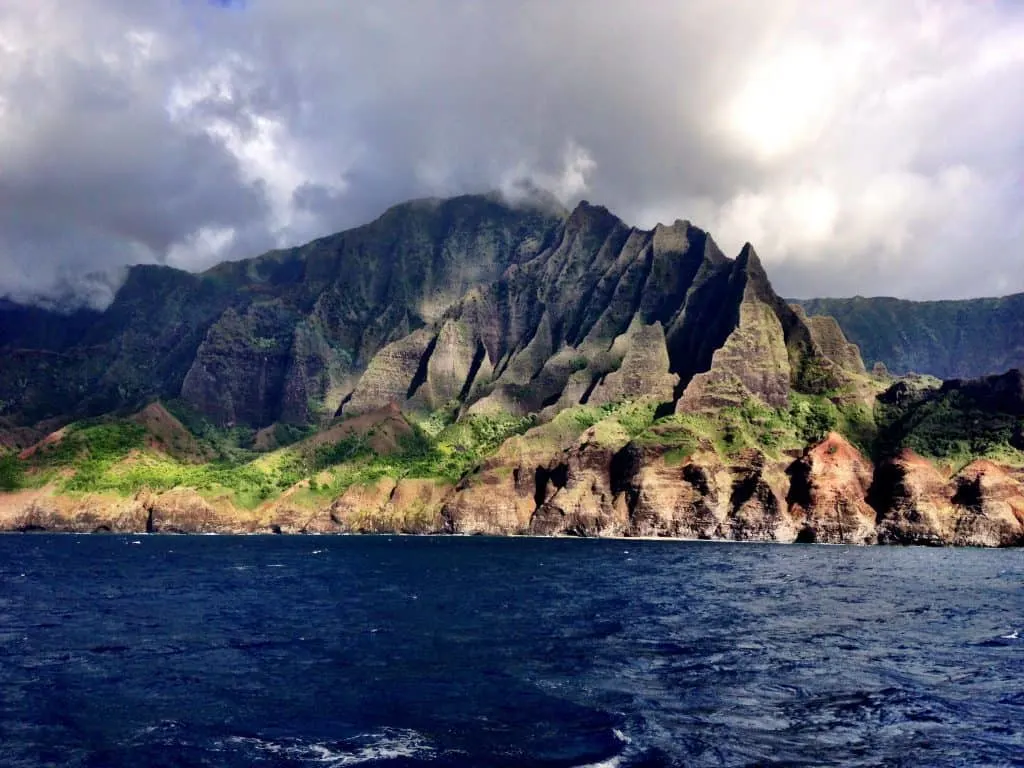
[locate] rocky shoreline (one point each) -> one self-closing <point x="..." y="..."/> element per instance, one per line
<point x="829" y="494"/>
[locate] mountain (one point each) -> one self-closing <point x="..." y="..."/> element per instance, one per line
<point x="283" y="336"/>
<point x="475" y="366"/>
<point x="947" y="339"/>
<point x="466" y="303"/>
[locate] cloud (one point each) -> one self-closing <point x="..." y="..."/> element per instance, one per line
<point x="568" y="183"/>
<point x="864" y="147"/>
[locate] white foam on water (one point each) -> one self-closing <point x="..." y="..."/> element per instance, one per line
<point x="1015" y="635"/>
<point x="388" y="744"/>
<point x="163" y="725"/>
<point x="615" y="760"/>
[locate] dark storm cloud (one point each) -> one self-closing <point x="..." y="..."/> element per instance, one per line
<point x="866" y="147"/>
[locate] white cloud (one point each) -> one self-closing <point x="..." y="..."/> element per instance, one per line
<point x="863" y="146"/>
<point x="202" y="247"/>
<point x="568" y="183"/>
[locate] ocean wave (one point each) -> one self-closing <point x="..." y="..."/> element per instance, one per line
<point x="386" y="744"/>
<point x="611" y="762"/>
<point x="615" y="761"/>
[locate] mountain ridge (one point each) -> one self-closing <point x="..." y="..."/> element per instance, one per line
<point x="952" y="338"/>
<point x="468" y="366"/>
<point x="289" y="336"/>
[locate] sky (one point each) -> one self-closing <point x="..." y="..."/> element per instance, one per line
<point x="871" y="147"/>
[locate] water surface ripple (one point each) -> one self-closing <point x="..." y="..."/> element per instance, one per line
<point x="399" y="651"/>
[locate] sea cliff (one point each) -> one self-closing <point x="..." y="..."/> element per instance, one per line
<point x="469" y="366"/>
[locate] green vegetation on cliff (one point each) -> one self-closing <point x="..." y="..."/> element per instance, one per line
<point x="448" y="454"/>
<point x="956" y="422"/>
<point x="12" y="472"/>
<point x="755" y="425"/>
<point x="455" y="335"/>
<point x="119" y="456"/>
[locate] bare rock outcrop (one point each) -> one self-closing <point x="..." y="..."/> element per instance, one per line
<point x="828" y="492"/>
<point x="88" y="514"/>
<point x="553" y="480"/>
<point x="644" y="370"/>
<point x="982" y="505"/>
<point x="408" y="505"/>
<point x="989" y="506"/>
<point x="753" y="361"/>
<point x="829" y="338"/>
<point x="179" y="510"/>
<point x="449" y="365"/>
<point x="702" y="496"/>
<point x="415" y="505"/>
<point x="390" y="374"/>
<point x="360" y="508"/>
<point x="757" y="500"/>
<point x="913" y="500"/>
<point x="575" y="494"/>
<point x="182" y="510"/>
<point x="770" y="350"/>
<point x="500" y="497"/>
<point x="666" y="498"/>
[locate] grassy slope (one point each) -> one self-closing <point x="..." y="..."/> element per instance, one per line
<point x="120" y="456"/>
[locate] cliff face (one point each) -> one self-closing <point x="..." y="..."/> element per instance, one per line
<point x="670" y="391"/>
<point x="283" y="337"/>
<point x="593" y="487"/>
<point x="980" y="506"/>
<point x="947" y="339"/>
<point x="828" y="492"/>
<point x="610" y="313"/>
<point x="467" y="303"/>
<point x="565" y="478"/>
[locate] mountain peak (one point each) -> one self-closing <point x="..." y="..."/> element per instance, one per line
<point x="382" y="312"/>
<point x="678" y="224"/>
<point x="748" y="258"/>
<point x="586" y="210"/>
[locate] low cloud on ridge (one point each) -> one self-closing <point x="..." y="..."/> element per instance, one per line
<point x="868" y="147"/>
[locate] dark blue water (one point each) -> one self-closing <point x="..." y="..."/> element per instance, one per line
<point x="393" y="651"/>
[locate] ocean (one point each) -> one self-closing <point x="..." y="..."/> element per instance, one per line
<point x="432" y="651"/>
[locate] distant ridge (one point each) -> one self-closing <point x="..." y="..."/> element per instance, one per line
<point x="948" y="339"/>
